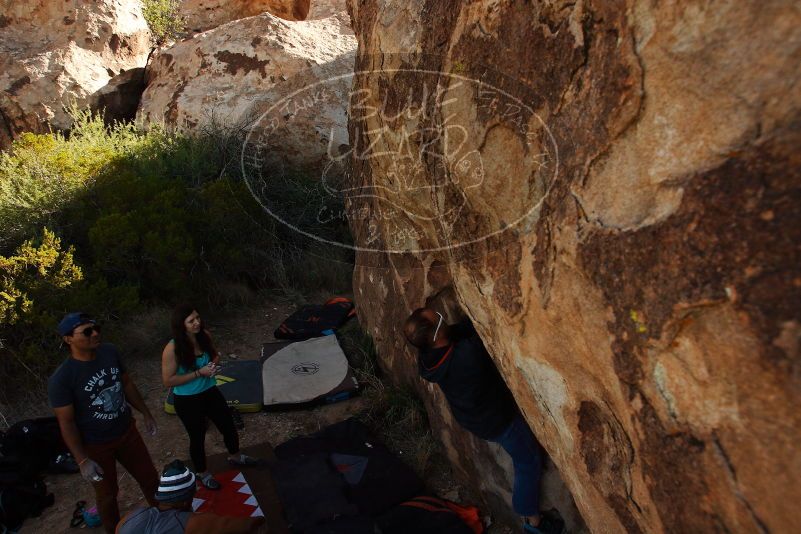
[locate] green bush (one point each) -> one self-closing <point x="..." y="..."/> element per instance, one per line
<point x="163" y="19"/>
<point x="37" y="281"/>
<point x="44" y="173"/>
<point x="38" y="273"/>
<point x="108" y="220"/>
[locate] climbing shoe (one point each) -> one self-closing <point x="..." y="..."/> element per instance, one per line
<point x="209" y="481"/>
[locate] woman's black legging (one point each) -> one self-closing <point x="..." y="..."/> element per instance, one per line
<point x="193" y="411"/>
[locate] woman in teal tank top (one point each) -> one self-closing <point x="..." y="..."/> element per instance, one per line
<point x="188" y="365"/>
<point x="199" y="384"/>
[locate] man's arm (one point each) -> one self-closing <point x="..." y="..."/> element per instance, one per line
<point x="90" y="470"/>
<point x="135" y="399"/>
<point x="133" y="396"/>
<point x="69" y="431"/>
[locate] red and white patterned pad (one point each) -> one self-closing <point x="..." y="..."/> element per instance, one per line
<point x="233" y="499"/>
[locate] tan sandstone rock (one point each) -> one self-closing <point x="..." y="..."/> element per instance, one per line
<point x="55" y="54"/>
<point x="242" y="74"/>
<point x="611" y="191"/>
<point x="202" y="15"/>
<point x="321" y="9"/>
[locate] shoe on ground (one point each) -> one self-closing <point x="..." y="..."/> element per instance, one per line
<point x="245" y="460"/>
<point x="210" y="482"/>
<point x="550" y="523"/>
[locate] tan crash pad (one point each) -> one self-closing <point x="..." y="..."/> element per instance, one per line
<point x="305" y="371"/>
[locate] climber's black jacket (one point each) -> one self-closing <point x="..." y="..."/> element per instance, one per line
<point x="476" y="393"/>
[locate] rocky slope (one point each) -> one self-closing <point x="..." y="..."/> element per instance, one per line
<point x="611" y="191"/>
<point x="55" y="54"/>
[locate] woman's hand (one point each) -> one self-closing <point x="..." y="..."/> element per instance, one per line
<point x="208" y="370"/>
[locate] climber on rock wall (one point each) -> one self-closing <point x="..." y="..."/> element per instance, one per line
<point x="454" y="358"/>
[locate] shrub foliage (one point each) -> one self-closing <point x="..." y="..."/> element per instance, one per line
<point x="110" y="219"/>
<point x="163" y="19"/>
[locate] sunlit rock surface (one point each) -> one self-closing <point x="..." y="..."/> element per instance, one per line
<point x="243" y="73"/>
<point x="54" y="54"/>
<point x="202" y="15"/>
<point x="611" y="191"/>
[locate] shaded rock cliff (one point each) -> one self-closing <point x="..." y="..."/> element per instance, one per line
<point x="55" y="54"/>
<point x="611" y="191"/>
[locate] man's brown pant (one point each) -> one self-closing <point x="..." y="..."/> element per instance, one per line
<point x="132" y="453"/>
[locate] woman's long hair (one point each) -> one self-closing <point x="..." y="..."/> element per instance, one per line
<point x="184" y="350"/>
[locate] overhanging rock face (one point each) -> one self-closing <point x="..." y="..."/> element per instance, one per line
<point x="611" y="191"/>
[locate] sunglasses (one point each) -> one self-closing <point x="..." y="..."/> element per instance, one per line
<point x="438" y="325"/>
<point x="89" y="330"/>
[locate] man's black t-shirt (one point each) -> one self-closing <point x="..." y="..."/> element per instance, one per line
<point x="95" y="390"/>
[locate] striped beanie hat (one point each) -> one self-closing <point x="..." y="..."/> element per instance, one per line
<point x="177" y="483"/>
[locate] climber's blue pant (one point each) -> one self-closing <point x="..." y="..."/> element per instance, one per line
<point x="526" y="453"/>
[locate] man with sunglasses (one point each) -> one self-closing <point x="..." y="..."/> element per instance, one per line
<point x="92" y="394"/>
<point x="454" y="358"/>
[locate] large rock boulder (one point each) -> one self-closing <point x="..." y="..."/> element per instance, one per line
<point x="235" y="74"/>
<point x="321" y="9"/>
<point x="55" y="54"/>
<point x="202" y="15"/>
<point x="611" y="191"/>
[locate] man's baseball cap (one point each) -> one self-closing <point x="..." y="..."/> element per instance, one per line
<point x="71" y="320"/>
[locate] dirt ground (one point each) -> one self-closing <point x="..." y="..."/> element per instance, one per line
<point x="237" y="336"/>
